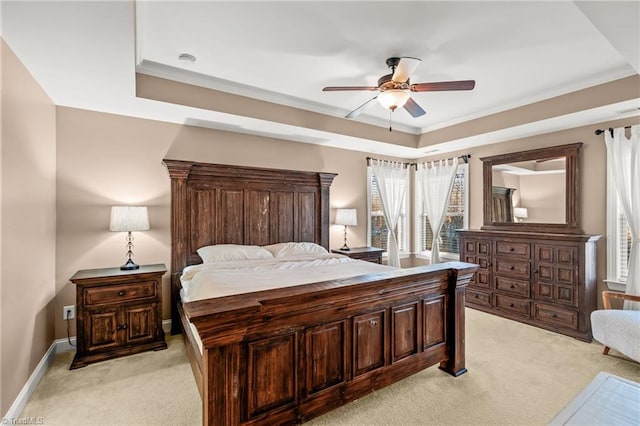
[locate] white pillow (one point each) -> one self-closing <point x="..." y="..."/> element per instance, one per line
<point x="228" y="252"/>
<point x="295" y="249"/>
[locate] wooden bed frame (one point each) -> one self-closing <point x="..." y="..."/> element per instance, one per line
<point x="290" y="354"/>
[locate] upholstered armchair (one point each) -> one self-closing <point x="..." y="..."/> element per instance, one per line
<point x="617" y="328"/>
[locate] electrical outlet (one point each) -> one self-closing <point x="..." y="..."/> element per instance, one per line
<point x="69" y="312"/>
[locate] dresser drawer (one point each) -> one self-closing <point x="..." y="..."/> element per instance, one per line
<point x="512" y="304"/>
<point x="119" y="293"/>
<point x="556" y="316"/>
<point x="509" y="285"/>
<point x="511" y="248"/>
<point x="512" y="268"/>
<point x="478" y="297"/>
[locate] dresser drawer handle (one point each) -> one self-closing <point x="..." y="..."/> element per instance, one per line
<point x="511" y="249"/>
<point x="512" y="267"/>
<point x="512" y="286"/>
<point x="373" y="323"/>
<point x="121" y="327"/>
<point x="122" y="293"/>
<point x="554" y="316"/>
<point x="476" y="296"/>
<point x="511" y="305"/>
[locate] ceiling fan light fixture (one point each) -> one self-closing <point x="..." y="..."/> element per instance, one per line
<point x="393" y="98"/>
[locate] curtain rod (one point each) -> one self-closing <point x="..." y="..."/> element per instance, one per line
<point x="464" y="158"/>
<point x="610" y="129"/>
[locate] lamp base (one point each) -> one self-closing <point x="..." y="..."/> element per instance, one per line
<point x="129" y="266"/>
<point x="345" y="247"/>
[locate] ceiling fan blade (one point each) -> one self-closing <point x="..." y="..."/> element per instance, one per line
<point x="405" y="67"/>
<point x="356" y="112"/>
<point x="413" y="108"/>
<point x="443" y="85"/>
<point x="344" y="88"/>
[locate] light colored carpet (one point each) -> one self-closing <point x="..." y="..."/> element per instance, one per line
<point x="518" y="375"/>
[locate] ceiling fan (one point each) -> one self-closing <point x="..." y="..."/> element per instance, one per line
<point x="395" y="88"/>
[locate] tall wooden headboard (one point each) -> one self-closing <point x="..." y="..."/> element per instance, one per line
<point x="223" y="204"/>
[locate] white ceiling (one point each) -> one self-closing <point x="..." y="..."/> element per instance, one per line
<point x="85" y="55"/>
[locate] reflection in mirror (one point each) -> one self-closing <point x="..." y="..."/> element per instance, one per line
<point x="529" y="191"/>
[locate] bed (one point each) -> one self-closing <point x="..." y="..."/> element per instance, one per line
<point x="284" y="353"/>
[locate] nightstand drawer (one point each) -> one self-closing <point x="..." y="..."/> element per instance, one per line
<point x="119" y="293"/>
<point x="368" y="254"/>
<point x="374" y="259"/>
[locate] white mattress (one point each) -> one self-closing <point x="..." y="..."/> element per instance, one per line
<point x="221" y="279"/>
<point x="209" y="280"/>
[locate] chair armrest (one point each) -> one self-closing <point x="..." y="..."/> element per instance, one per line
<point x="608" y="295"/>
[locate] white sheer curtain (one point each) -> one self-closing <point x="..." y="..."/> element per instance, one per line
<point x="435" y="180"/>
<point x="392" y="179"/>
<point x="623" y="158"/>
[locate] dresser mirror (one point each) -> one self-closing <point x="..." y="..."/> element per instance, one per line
<point x="535" y="190"/>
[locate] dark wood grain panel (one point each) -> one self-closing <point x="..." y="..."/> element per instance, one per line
<point x="102" y="331"/>
<point x="368" y="342"/>
<point x="140" y="323"/>
<point x="325" y="353"/>
<point x="203" y="211"/>
<point x="434" y="314"/>
<point x="283" y="205"/>
<point x="232" y="218"/>
<point x="258" y="218"/>
<point x="271" y="372"/>
<point x="307" y="222"/>
<point x="404" y="331"/>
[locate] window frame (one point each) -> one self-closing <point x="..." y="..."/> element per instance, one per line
<point x="404" y="240"/>
<point x="614" y="279"/>
<point x="417" y="220"/>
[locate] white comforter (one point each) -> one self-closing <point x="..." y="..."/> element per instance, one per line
<point x="209" y="280"/>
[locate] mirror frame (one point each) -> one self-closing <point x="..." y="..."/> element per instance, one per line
<point x="572" y="192"/>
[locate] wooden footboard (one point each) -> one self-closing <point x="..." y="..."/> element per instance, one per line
<point x="287" y="355"/>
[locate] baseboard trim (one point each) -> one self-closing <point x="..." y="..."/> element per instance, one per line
<point x="60" y="345"/>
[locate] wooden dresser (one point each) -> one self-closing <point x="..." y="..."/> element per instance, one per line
<point x="118" y="312"/>
<point x="546" y="280"/>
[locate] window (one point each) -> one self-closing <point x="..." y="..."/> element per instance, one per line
<point x="377" y="231"/>
<point x="456" y="218"/>
<point x="618" y="240"/>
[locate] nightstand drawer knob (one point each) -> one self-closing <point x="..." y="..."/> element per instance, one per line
<point x="122" y="293"/>
<point x="121" y="327"/>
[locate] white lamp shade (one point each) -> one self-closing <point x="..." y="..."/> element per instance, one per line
<point x="393" y="98"/>
<point x="520" y="212"/>
<point x="129" y="218"/>
<point x="346" y="217"/>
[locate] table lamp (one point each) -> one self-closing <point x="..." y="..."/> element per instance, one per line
<point x="346" y="217"/>
<point x="128" y="219"/>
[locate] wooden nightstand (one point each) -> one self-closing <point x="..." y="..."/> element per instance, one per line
<point x="370" y="254"/>
<point x="118" y="312"/>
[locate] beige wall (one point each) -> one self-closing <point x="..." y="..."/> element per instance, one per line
<point x="28" y="225"/>
<point x="544" y="197"/>
<point x="107" y="159"/>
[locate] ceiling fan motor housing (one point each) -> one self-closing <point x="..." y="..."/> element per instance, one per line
<point x="385" y="83"/>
